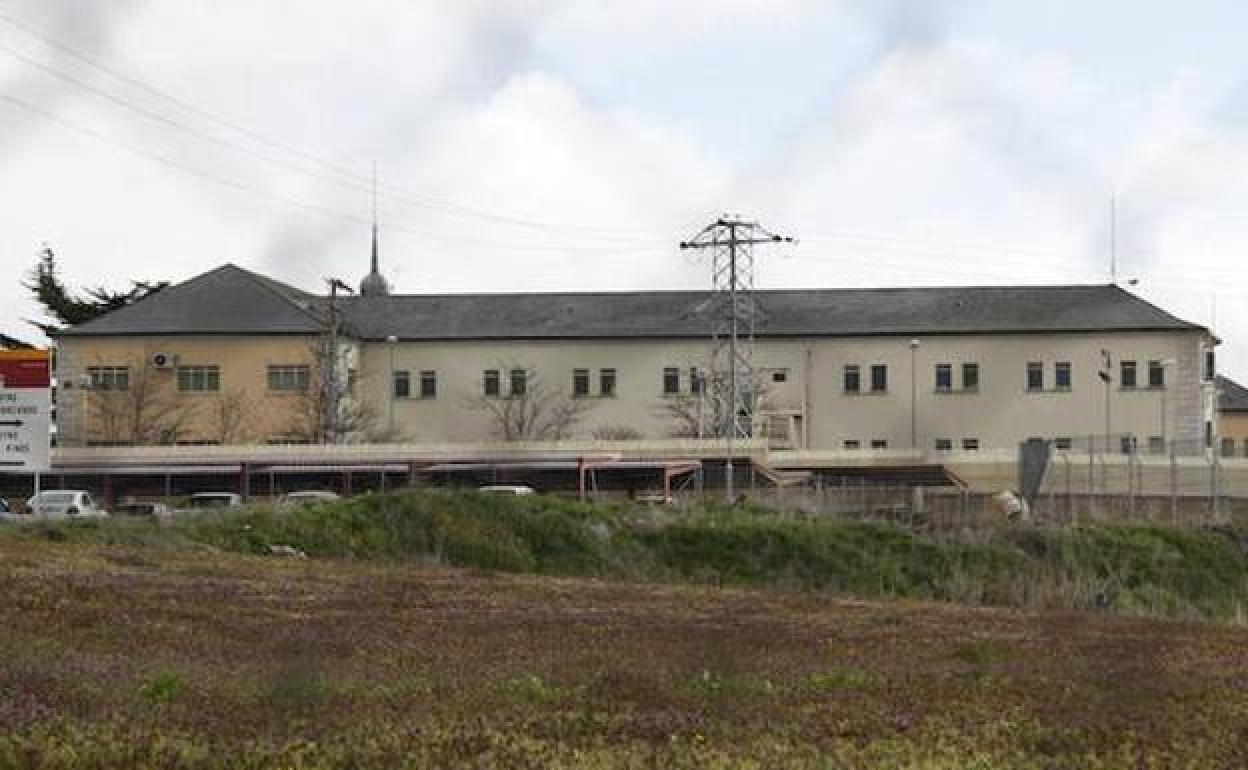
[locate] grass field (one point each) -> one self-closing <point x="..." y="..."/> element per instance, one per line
<point x="129" y="655"/>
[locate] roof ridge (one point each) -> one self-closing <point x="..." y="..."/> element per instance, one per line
<point x="270" y="285"/>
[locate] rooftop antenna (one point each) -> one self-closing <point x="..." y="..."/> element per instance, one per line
<point x="374" y="216"/>
<point x="1113" y="239"/>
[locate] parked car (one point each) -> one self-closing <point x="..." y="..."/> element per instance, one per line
<point x="506" y="490"/>
<point x="7" y="513"/>
<point x="212" y="501"/>
<point x="307" y="497"/>
<point x="147" y="508"/>
<point x="65" y="504"/>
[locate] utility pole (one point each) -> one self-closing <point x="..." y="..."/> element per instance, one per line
<point x="731" y="241"/>
<point x="331" y="393"/>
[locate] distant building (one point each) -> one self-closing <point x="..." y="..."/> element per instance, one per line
<point x="232" y="356"/>
<point x="1232" y="418"/>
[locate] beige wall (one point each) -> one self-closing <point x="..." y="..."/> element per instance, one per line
<point x="999" y="414"/>
<point x="243" y="361"/>
<point x="1234" y="426"/>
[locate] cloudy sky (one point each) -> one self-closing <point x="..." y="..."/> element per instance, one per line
<point x="563" y="145"/>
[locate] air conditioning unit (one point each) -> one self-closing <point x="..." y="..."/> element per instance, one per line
<point x="163" y="360"/>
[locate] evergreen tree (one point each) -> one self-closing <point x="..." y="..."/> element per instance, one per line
<point x="70" y="309"/>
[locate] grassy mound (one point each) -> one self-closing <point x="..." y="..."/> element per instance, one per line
<point x="1128" y="569"/>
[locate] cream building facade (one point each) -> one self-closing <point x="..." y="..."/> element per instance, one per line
<point x="957" y="369"/>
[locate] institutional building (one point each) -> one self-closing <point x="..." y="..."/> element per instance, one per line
<point x="235" y="357"/>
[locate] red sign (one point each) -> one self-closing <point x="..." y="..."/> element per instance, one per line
<point x="25" y="368"/>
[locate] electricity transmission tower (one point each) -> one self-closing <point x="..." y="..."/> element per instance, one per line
<point x="731" y="382"/>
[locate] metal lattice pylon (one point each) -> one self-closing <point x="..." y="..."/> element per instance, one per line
<point x="731" y="383"/>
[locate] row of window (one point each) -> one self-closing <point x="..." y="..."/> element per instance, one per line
<point x="202" y="379"/>
<point x="942" y="444"/>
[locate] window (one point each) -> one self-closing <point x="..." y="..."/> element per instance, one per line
<point x="199" y="378"/>
<point x="353" y="378"/>
<point x="580" y="383"/>
<point x="1061" y="375"/>
<point x="288" y="378"/>
<point x="944" y="444"/>
<point x="402" y="384"/>
<point x="606" y="382"/>
<point x="1246" y="447"/>
<point x="852" y="378"/>
<point x="780" y="375"/>
<point x="1126" y="377"/>
<point x="696" y="383"/>
<point x="879" y="443"/>
<point x="1228" y="447"/>
<point x="671" y="381"/>
<point x="1156" y="445"/>
<point x="1210" y="370"/>
<point x="1156" y="374"/>
<point x="109" y="377"/>
<point x="428" y="384"/>
<point x="970" y="444"/>
<point x="970" y="376"/>
<point x="1061" y="442"/>
<point x="1208" y="434"/>
<point x="851" y="443"/>
<point x="1035" y="375"/>
<point x="489" y="383"/>
<point x="879" y="378"/>
<point x="944" y="377"/>
<point x="1126" y="444"/>
<point x="519" y="382"/>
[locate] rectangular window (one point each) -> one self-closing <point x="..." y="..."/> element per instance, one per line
<point x="109" y="377"/>
<point x="1156" y="445"/>
<point x="353" y="378"/>
<point x="671" y="381"/>
<point x="1210" y="370"/>
<point x="879" y="378"/>
<point x="970" y="445"/>
<point x="428" y="384"/>
<point x="1061" y="374"/>
<point x="519" y="382"/>
<point x="1156" y="374"/>
<point x="1035" y="375"/>
<point x="1126" y="376"/>
<point x="489" y="383"/>
<point x="970" y="376"/>
<point x="944" y="444"/>
<point x="1126" y="444"/>
<point x="851" y="443"/>
<point x="696" y="383"/>
<point x="879" y="443"/>
<point x="288" y="378"/>
<point x="1246" y="447"/>
<point x="852" y="378"/>
<point x="1228" y="447"/>
<point x="580" y="383"/>
<point x="1061" y="442"/>
<point x="402" y="386"/>
<point x="944" y="377"/>
<point x="606" y="382"/>
<point x="199" y="379"/>
<point x="780" y="375"/>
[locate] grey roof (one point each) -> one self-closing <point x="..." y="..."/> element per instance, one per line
<point x="227" y="300"/>
<point x="1232" y="397"/>
<point x="231" y="300"/>
<point x="796" y="312"/>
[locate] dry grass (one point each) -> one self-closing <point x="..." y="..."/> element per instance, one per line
<point x="120" y="656"/>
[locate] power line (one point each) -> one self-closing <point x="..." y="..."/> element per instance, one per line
<point x="349" y="177"/>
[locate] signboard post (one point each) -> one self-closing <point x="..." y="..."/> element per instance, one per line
<point x="25" y="412"/>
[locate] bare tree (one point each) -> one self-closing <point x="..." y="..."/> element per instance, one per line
<point x="699" y="412"/>
<point x="533" y="412"/>
<point x="315" y="413"/>
<point x="230" y="414"/>
<point x="617" y="433"/>
<point x="144" y="409"/>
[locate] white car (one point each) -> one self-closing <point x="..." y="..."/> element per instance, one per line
<point x="65" y="504"/>
<point x="307" y="497"/>
<point x="212" y="501"/>
<point x="507" y="490"/>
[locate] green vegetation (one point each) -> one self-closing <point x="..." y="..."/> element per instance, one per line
<point x="1127" y="569"/>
